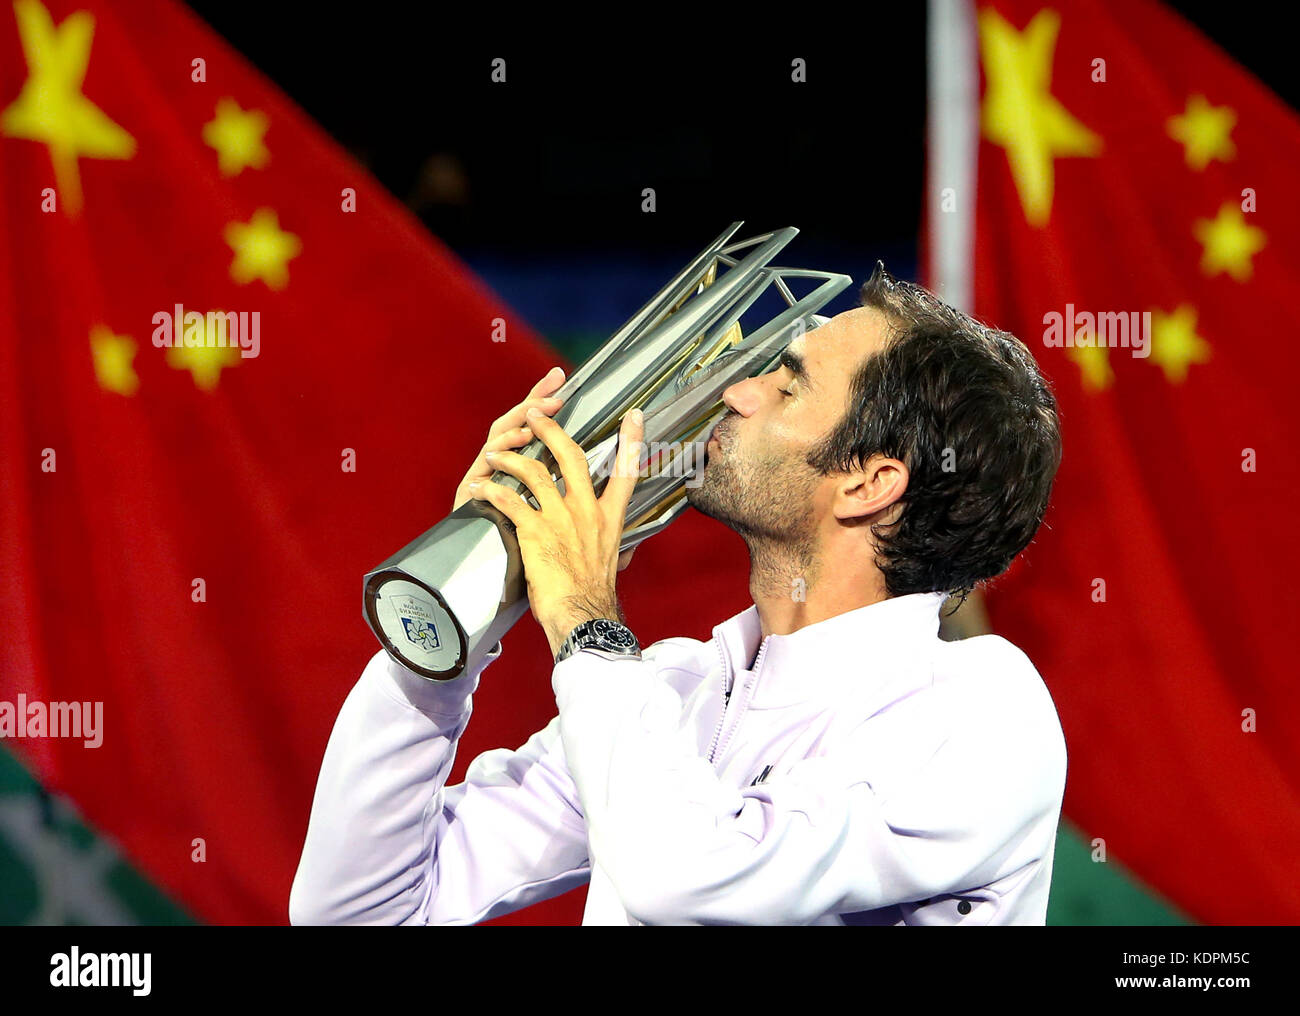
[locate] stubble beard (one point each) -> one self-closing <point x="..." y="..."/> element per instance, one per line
<point x="768" y="501"/>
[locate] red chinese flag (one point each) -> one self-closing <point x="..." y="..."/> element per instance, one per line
<point x="1127" y="166"/>
<point x="185" y="529"/>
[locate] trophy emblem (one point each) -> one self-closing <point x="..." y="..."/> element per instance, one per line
<point x="442" y="602"/>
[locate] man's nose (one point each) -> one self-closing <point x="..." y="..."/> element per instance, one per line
<point x="742" y="397"/>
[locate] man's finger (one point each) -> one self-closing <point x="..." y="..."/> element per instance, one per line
<point x="548" y="404"/>
<point x="618" y="491"/>
<point x="547" y="385"/>
<point x="511" y="503"/>
<point x="531" y="473"/>
<point x="571" y="459"/>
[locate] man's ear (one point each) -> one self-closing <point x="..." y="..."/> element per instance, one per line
<point x="871" y="489"/>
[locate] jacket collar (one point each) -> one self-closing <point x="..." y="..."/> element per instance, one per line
<point x="815" y="659"/>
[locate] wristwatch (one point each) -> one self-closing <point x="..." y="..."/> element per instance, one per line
<point x="602" y="636"/>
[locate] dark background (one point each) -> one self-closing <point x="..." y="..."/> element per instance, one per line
<point x="537" y="182"/>
<point x="554" y="160"/>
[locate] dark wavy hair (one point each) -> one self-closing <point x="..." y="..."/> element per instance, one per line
<point x="965" y="407"/>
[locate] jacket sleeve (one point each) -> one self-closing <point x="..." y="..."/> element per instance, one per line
<point x="388" y="843"/>
<point x="680" y="846"/>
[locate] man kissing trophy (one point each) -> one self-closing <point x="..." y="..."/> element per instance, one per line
<point x="442" y="602"/>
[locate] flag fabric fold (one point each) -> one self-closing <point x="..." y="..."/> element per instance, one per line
<point x="185" y="525"/>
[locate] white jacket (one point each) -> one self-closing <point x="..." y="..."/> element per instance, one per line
<point x="865" y="772"/>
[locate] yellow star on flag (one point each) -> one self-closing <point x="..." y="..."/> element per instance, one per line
<point x="1094" y="365"/>
<point x="51" y="109"/>
<point x="1204" y="132"/>
<point x="262" y="250"/>
<point x="1175" y="344"/>
<point x="236" y="134"/>
<point x="112" y="356"/>
<point x="1020" y="113"/>
<point x="1228" y="242"/>
<point x="204" y="362"/>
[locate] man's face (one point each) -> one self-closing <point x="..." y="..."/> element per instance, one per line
<point x="755" y="478"/>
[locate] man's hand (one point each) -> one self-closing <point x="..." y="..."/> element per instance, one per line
<point x="570" y="545"/>
<point x="511" y="431"/>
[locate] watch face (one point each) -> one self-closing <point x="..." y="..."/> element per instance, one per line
<point x="619" y="636"/>
<point x="604" y="636"/>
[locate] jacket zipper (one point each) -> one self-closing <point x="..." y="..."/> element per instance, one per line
<point x="718" y="745"/>
<point x="726" y="700"/>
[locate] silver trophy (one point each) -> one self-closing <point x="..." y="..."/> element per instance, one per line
<point x="442" y="602"/>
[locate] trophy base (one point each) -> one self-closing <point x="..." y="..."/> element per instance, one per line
<point x="414" y="625"/>
<point x="441" y="603"/>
